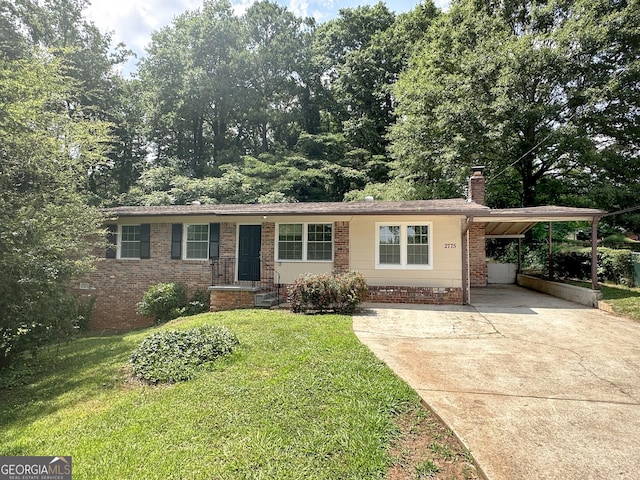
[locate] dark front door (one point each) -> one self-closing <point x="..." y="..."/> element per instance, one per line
<point x="249" y="252"/>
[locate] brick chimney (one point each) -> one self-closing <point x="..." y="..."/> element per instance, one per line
<point x="476" y="185"/>
<point x="477" y="245"/>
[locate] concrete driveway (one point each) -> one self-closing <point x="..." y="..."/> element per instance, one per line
<point x="536" y="387"/>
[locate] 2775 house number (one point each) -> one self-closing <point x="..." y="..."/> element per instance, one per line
<point x="450" y="245"/>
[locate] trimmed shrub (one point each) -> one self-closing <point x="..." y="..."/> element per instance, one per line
<point x="175" y="356"/>
<point x="163" y="301"/>
<point x="199" y="303"/>
<point x="340" y="293"/>
<point x="613" y="265"/>
<point x="574" y="263"/>
<point x="166" y="301"/>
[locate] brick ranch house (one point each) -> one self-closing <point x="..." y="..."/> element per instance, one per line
<point x="424" y="251"/>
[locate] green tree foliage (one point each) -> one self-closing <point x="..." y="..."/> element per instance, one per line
<point x="276" y="45"/>
<point x="191" y="82"/>
<point x="219" y="86"/>
<point x="44" y="221"/>
<point x="239" y="101"/>
<point x="358" y="69"/>
<point x="96" y="90"/>
<point x="361" y="53"/>
<point x="524" y="88"/>
<point x="605" y="40"/>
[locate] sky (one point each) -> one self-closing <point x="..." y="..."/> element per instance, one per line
<point x="132" y="21"/>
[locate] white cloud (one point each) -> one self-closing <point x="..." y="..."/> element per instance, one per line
<point x="241" y="7"/>
<point x="133" y="21"/>
<point x="299" y="8"/>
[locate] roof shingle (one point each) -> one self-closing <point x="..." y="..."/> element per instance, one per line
<point x="432" y="207"/>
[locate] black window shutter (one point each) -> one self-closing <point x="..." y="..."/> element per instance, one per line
<point x="145" y="240"/>
<point x="214" y="240"/>
<point x="176" y="241"/>
<point x="112" y="240"/>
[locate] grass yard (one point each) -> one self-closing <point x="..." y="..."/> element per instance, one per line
<point x="300" y="398"/>
<point x="623" y="300"/>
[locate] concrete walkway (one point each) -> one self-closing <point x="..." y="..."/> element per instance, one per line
<point x="536" y="387"/>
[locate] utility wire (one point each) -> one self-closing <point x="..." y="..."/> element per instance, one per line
<point x="493" y="177"/>
<point x="620" y="212"/>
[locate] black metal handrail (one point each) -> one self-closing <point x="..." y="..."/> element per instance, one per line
<point x="224" y="272"/>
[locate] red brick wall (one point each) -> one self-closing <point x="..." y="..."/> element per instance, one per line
<point x="416" y="295"/>
<point x="477" y="187"/>
<point x="118" y="285"/>
<point x="477" y="256"/>
<point x="341" y="246"/>
<point x="231" y="299"/>
<point x="227" y="240"/>
<point x="267" y="252"/>
<point x="477" y="242"/>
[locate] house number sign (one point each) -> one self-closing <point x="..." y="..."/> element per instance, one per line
<point x="450" y="245"/>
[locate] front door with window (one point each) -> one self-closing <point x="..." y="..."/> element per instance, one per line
<point x="249" y="238"/>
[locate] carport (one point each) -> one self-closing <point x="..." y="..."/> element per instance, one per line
<point x="514" y="223"/>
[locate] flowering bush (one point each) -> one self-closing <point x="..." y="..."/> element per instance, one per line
<point x="340" y="293"/>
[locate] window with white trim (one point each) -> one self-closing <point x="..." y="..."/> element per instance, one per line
<point x="319" y="241"/>
<point x="290" y="241"/>
<point x="196" y="244"/>
<point x="305" y="241"/>
<point x="403" y="245"/>
<point x="129" y="241"/>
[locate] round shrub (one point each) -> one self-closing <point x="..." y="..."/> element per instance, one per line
<point x="163" y="301"/>
<point x="174" y="356"/>
<point x="339" y="293"/>
<point x="199" y="303"/>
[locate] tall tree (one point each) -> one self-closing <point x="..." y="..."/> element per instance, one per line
<point x="95" y="90"/>
<point x="45" y="224"/>
<point x="503" y="84"/>
<point x="358" y="70"/>
<point x="190" y="76"/>
<point x="276" y="49"/>
<point x="604" y="38"/>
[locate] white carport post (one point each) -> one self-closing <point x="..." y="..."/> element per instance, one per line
<point x="464" y="240"/>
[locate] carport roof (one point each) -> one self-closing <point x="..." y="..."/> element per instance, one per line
<point x="515" y="222"/>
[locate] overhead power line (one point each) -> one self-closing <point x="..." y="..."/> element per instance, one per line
<point x="626" y="210"/>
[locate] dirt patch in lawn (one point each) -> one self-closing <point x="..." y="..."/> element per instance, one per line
<point x="427" y="448"/>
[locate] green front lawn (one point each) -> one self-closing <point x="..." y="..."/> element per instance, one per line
<point x="624" y="301"/>
<point x="300" y="398"/>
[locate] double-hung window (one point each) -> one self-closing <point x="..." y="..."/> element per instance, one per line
<point x="196" y="245"/>
<point x="290" y="241"/>
<point x="129" y="241"/>
<point x="403" y="245"/>
<point x="319" y="241"/>
<point x="305" y="241"/>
